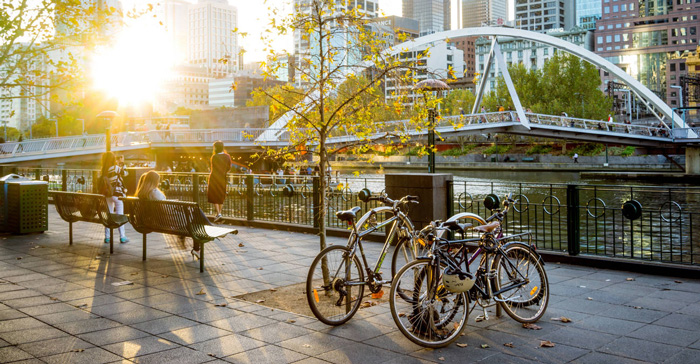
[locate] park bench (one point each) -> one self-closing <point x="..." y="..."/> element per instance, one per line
<point x="175" y="218"/>
<point x="87" y="207"/>
<point x="528" y="159"/>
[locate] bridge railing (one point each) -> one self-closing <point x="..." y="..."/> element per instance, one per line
<point x="230" y="135"/>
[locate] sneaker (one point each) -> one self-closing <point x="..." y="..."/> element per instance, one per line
<point x="106" y="240"/>
<point x="124" y="239"/>
<point x="218" y="217"/>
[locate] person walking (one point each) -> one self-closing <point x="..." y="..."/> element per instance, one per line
<point x="575" y="157"/>
<point x="216" y="190"/>
<point x="112" y="187"/>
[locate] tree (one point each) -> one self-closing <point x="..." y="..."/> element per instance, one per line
<point x="457" y="100"/>
<point x="287" y="94"/>
<point x="341" y="72"/>
<point x="565" y="84"/>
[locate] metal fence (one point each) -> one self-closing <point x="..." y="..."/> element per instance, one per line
<point x="635" y="222"/>
<point x="658" y="224"/>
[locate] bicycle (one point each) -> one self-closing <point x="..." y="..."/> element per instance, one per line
<point x="511" y="275"/>
<point x="337" y="277"/>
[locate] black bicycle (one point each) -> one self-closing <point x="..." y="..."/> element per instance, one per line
<point x="441" y="286"/>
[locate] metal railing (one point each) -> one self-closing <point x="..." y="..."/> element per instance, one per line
<point x="578" y="219"/>
<point x="589" y="219"/>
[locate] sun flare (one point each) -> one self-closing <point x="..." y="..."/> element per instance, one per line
<point x="134" y="67"/>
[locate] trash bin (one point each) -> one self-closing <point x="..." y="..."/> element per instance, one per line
<point x="3" y="197"/>
<point x="27" y="205"/>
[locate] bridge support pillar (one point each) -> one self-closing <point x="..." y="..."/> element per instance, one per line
<point x="692" y="161"/>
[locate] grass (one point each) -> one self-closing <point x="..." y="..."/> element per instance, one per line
<point x="456" y="152"/>
<point x="588" y="149"/>
<point x="539" y="149"/>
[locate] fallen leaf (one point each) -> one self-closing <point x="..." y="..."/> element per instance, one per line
<point x="509" y="345"/>
<point x="19" y="258"/>
<point x="291" y="321"/>
<point x="401" y="314"/>
<point x="479" y="318"/>
<point x="442" y="358"/>
<point x="462" y="345"/>
<point x="122" y="283"/>
<point x="210" y="354"/>
<point x="81" y="305"/>
<point x="630" y="279"/>
<point x="485" y="346"/>
<point x="273" y="289"/>
<point x="546" y="344"/>
<point x="134" y="273"/>
<point x="259" y="301"/>
<point x="456" y="325"/>
<point x="531" y="327"/>
<point x="77" y="350"/>
<point x="53" y="298"/>
<point x="637" y="307"/>
<point x="589" y="298"/>
<point x="240" y="245"/>
<point x="678" y="281"/>
<point x="562" y="319"/>
<point x="164" y="276"/>
<point x="261" y="268"/>
<point x="220" y="305"/>
<point x="306" y="345"/>
<point x="201" y="292"/>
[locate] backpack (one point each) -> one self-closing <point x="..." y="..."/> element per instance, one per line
<point x="105" y="188"/>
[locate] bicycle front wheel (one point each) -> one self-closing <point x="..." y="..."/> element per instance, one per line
<point x="432" y="316"/>
<point x="524" y="281"/>
<point x="335" y="285"/>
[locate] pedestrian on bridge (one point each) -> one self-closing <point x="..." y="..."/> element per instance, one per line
<point x="216" y="187"/>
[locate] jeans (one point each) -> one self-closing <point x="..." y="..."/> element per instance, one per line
<point x="115" y="206"/>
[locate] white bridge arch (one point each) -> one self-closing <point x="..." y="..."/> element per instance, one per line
<point x="665" y="113"/>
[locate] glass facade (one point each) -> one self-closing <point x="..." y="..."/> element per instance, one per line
<point x="432" y="15"/>
<point x="587" y="12"/>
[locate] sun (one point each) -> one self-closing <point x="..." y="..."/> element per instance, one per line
<point x="133" y="68"/>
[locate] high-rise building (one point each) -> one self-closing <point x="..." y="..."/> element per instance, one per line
<point x="544" y="15"/>
<point x="343" y="46"/>
<point x="642" y="36"/>
<point x="587" y="13"/>
<point x="433" y="15"/>
<point x="395" y="29"/>
<point x="213" y="42"/>
<point x="174" y="15"/>
<point x="467" y="46"/>
<point x="476" y="13"/>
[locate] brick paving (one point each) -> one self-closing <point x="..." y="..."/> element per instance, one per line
<point x="58" y="305"/>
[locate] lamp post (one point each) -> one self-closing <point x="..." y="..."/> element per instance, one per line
<point x="56" y="122"/>
<point x="83" y="121"/>
<point x="109" y="116"/>
<point x="425" y="86"/>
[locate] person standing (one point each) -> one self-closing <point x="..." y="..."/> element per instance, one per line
<point x="111" y="178"/>
<point x="216" y="190"/>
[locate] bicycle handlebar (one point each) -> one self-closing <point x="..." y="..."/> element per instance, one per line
<point x="389" y="202"/>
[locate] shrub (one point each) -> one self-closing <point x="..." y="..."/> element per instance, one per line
<point x="539" y="149"/>
<point x="497" y="149"/>
<point x="456" y="152"/>
<point x="588" y="149"/>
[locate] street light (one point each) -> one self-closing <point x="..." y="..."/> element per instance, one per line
<point x="83" y="121"/>
<point x="55" y="121"/>
<point x="425" y="86"/>
<point x="109" y="115"/>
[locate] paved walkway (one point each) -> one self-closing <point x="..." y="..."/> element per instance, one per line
<point x="58" y="305"/>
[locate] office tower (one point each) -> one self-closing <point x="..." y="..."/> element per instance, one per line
<point x="395" y="29"/>
<point x="433" y="15"/>
<point x="476" y="13"/>
<point x="648" y="40"/>
<point x="543" y="15"/>
<point x="344" y="48"/>
<point x="587" y="13"/>
<point x="174" y="15"/>
<point x="212" y="40"/>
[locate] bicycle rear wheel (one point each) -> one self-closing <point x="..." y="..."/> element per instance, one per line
<point x="334" y="285"/>
<point x="433" y="317"/>
<point x="520" y="269"/>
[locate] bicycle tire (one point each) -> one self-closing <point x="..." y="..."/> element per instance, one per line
<point x="326" y="298"/>
<point x="535" y="294"/>
<point x="420" y="320"/>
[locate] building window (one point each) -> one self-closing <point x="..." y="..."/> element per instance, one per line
<point x="606" y="10"/>
<point x="600" y="39"/>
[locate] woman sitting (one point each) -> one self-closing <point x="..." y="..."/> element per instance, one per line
<point x="148" y="190"/>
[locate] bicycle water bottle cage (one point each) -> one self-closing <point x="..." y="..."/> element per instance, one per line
<point x="348" y="215"/>
<point x="488" y="227"/>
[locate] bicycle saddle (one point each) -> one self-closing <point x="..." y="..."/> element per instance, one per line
<point x="455" y="226"/>
<point x="488" y="227"/>
<point x="348" y="215"/>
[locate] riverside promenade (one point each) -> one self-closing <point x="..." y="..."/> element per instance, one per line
<point x="68" y="304"/>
